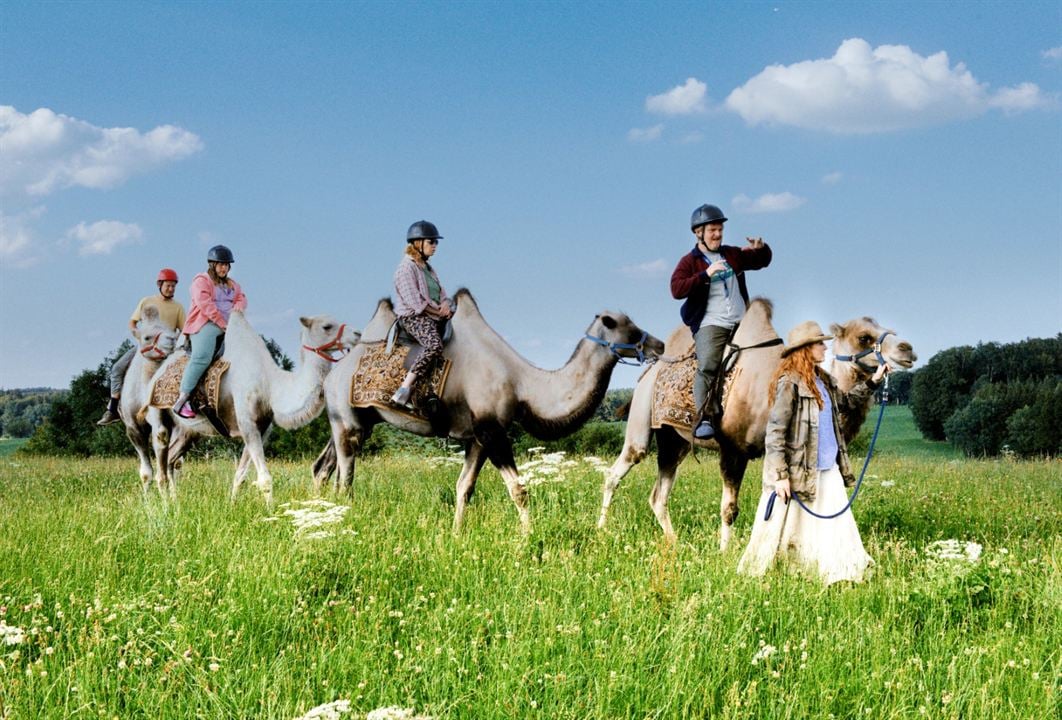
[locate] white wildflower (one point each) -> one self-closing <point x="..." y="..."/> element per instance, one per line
<point x="11" y="635"/>
<point x="535" y="450"/>
<point x="763" y="653"/>
<point x="887" y="483"/>
<point x="949" y="550"/>
<point x="314" y="515"/>
<point x="328" y="711"/>
<point x="395" y="713"/>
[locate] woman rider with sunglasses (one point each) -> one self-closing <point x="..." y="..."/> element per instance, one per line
<point x="420" y="302"/>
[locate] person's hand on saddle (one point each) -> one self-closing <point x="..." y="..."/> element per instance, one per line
<point x="440" y="313"/>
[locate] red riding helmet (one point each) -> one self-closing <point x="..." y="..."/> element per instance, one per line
<point x="167" y="274"/>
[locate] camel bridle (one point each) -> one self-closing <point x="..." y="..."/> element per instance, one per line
<point x="857" y="359"/>
<point x="615" y="347"/>
<point x="154" y="348"/>
<point x="332" y="345"/>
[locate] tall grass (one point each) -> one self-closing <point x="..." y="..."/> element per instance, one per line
<point x="135" y="607"/>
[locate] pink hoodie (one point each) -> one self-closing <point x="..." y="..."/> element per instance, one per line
<point x="203" y="308"/>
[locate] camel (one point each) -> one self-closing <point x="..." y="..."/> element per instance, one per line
<point x="254" y="394"/>
<point x="744" y="423"/>
<point x="155" y="342"/>
<point x="488" y="388"/>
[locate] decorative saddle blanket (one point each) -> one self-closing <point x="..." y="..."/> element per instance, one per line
<point x="379" y="373"/>
<point x="207" y="392"/>
<point x="673" y="394"/>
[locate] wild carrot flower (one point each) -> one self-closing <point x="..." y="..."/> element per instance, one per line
<point x="11" y="635"/>
<point x="328" y="711"/>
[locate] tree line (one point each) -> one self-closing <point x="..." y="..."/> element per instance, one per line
<point x="993" y="398"/>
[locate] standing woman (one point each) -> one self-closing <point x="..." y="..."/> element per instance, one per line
<point x="420" y="302"/>
<point x="806" y="455"/>
<point x="214" y="296"/>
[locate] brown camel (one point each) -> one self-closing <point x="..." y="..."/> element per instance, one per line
<point x="488" y="388"/>
<point x="741" y="435"/>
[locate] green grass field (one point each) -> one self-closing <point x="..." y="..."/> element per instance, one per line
<point x="8" y="446"/>
<point x="132" y="608"/>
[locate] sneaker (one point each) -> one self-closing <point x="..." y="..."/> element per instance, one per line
<point x="186" y="411"/>
<point x="704" y="431"/>
<point x="109" y="418"/>
<point x="402" y="398"/>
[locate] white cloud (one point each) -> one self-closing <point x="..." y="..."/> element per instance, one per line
<point x="769" y="202"/>
<point x="832" y="178"/>
<point x="102" y="237"/>
<point x="680" y="100"/>
<point x="645" y="134"/>
<point x="691" y="138"/>
<point x="648" y="270"/>
<point x="45" y="151"/>
<point x="1054" y="53"/>
<point x="16" y="238"/>
<point x="868" y="90"/>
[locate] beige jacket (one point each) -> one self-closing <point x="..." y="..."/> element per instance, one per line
<point x="792" y="442"/>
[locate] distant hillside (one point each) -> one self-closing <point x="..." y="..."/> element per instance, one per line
<point x="24" y="409"/>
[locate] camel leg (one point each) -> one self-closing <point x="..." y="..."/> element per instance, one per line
<point x="475" y="455"/>
<point x="180" y="441"/>
<point x="242" y="468"/>
<point x="253" y="445"/>
<point x="732" y="464"/>
<point x="346" y="443"/>
<point x="160" y="440"/>
<point x="141" y="439"/>
<point x="324" y="465"/>
<point x="670" y="449"/>
<point x="493" y="438"/>
<point x="635" y="448"/>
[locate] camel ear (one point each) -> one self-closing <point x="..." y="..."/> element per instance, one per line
<point x="609" y="322"/>
<point x="306" y="322"/>
<point x="837" y="330"/>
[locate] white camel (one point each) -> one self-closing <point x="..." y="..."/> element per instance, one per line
<point x="489" y="387"/>
<point x="155" y="342"/>
<point x="254" y="394"/>
<point x="744" y="425"/>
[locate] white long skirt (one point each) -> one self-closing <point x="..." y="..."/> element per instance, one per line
<point x="831" y="550"/>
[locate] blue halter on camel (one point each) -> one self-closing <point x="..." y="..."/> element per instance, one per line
<point x="876" y="349"/>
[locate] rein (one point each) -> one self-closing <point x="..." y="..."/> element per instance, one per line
<point x="334" y="344"/>
<point x="614" y="348"/>
<point x="862" y="473"/>
<point x="153" y="348"/>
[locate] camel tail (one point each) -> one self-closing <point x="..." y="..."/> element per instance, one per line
<point x="325" y="464"/>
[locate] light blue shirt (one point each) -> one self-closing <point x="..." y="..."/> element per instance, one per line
<point x="827" y="437"/>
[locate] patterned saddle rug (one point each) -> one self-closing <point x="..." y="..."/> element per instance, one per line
<point x="673" y="394"/>
<point x="207" y="392"/>
<point x="379" y="373"/>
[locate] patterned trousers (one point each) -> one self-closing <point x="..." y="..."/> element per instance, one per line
<point x="426" y="330"/>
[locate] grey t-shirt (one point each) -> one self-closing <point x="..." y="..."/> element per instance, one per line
<point x="726" y="307"/>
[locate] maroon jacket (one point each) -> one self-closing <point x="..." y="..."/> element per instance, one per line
<point x="690" y="279"/>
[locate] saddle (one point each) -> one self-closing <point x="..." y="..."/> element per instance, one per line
<point x="206" y="393"/>
<point x="384" y="365"/>
<point x="673" y="393"/>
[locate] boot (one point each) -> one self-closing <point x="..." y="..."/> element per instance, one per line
<point x="704" y="430"/>
<point x="402" y="398"/>
<point x="111" y="415"/>
<point x="182" y="407"/>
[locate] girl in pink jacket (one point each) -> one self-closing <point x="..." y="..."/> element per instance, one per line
<point x="214" y="296"/>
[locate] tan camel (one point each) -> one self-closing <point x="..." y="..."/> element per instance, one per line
<point x="489" y="387"/>
<point x="744" y="425"/>
<point x="155" y="342"/>
<point x="254" y="394"/>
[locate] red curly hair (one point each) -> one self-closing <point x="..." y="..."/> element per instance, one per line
<point x="803" y="365"/>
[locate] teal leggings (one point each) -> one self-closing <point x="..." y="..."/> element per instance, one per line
<point x="203" y="344"/>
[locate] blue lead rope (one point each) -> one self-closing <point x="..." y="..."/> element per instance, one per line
<point x="859" y="483"/>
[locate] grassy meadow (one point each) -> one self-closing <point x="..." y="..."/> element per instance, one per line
<point x="117" y="606"/>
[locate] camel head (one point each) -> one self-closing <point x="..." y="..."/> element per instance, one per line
<point x="858" y="341"/>
<point x="620" y="335"/>
<point x="324" y="336"/>
<point x="155" y="341"/>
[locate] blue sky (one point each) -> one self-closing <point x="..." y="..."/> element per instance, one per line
<point x="903" y="160"/>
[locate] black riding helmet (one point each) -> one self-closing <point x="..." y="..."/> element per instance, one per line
<point x="422" y="230"/>
<point x="706" y="214"/>
<point x="221" y="254"/>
